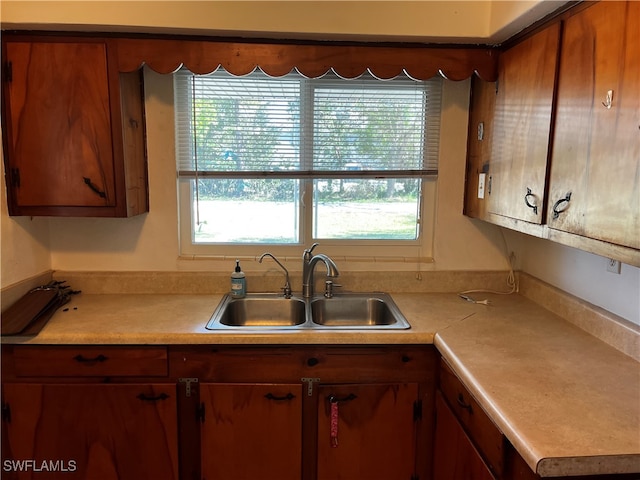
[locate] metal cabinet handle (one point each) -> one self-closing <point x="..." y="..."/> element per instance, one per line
<point x="608" y="100"/>
<point x="348" y="398"/>
<point x="463" y="404"/>
<point x="93" y="187"/>
<point x="556" y="210"/>
<point x="149" y="398"/>
<point x="288" y="396"/>
<point x="82" y="359"/>
<point x="530" y="205"/>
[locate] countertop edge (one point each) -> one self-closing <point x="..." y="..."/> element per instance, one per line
<point x="592" y="465"/>
<point x="540" y="464"/>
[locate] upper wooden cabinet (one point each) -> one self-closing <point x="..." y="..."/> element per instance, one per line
<point x="523" y="107"/>
<point x="73" y="129"/>
<point x="561" y="144"/>
<point x="510" y="124"/>
<point x="595" y="182"/>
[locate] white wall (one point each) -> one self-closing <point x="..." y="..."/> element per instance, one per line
<point x="24" y="244"/>
<point x="470" y="21"/>
<point x="150" y="241"/>
<point x="580" y="273"/>
<point x="317" y="19"/>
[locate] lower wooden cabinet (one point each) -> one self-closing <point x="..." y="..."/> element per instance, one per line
<point x="455" y="457"/>
<point x="251" y="431"/>
<point x="364" y="431"/>
<point x="206" y="412"/>
<point x="367" y="431"/>
<point x="98" y="431"/>
<point x="469" y="446"/>
<point x="312" y="413"/>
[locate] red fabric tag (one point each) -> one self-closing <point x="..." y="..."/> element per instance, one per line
<point x="334" y="424"/>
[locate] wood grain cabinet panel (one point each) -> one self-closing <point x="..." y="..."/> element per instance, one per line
<point x="383" y="396"/>
<point x="236" y="412"/>
<point x="479" y="145"/>
<point x="595" y="184"/>
<point x="523" y="110"/>
<point x="251" y="431"/>
<point x="489" y="441"/>
<point x="106" y="432"/>
<point x="367" y="432"/>
<point x="73" y="129"/>
<point x="89" y="361"/>
<point x="563" y="153"/>
<point x="455" y="457"/>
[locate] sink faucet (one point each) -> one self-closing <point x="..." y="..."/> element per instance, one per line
<point x="308" y="264"/>
<point x="287" y="285"/>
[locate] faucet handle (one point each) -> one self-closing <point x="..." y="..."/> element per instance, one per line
<point x="286" y="290"/>
<point x="328" y="288"/>
<point x="308" y="251"/>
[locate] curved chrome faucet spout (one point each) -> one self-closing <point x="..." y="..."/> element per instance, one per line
<point x="287" y="285"/>
<point x="309" y="262"/>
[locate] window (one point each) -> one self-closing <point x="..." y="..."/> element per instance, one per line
<point x="290" y="160"/>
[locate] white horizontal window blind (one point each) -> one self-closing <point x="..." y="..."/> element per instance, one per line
<point x="300" y="160"/>
<point x="293" y="127"/>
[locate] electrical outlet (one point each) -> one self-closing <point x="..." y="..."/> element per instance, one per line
<point x="613" y="266"/>
<point x="481" y="179"/>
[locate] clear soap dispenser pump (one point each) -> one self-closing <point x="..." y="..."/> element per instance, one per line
<point x="238" y="282"/>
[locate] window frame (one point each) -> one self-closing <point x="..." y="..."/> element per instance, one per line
<point x="419" y="249"/>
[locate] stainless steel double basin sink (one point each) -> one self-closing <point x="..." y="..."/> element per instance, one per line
<point x="266" y="311"/>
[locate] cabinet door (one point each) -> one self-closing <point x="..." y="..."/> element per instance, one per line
<point x="366" y="432"/>
<point x="455" y="457"/>
<point x="110" y="432"/>
<point x="523" y="106"/>
<point x="595" y="189"/>
<point x="251" y="431"/>
<point x="59" y="121"/>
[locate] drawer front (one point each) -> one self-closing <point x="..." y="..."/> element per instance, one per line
<point x="291" y="363"/>
<point x="481" y="430"/>
<point x="91" y="361"/>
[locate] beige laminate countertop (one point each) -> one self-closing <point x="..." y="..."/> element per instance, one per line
<point x="568" y="402"/>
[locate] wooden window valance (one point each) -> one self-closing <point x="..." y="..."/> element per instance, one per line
<point x="312" y="60"/>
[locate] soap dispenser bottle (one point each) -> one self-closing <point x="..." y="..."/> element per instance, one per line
<point x="238" y="282"/>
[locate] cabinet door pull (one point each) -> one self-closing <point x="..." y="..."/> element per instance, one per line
<point x="463" y="404"/>
<point x="93" y="187"/>
<point x="556" y="210"/>
<point x="608" y="100"/>
<point x="288" y="396"/>
<point x="530" y="205"/>
<point x="82" y="359"/>
<point x="147" y="398"/>
<point x="348" y="398"/>
<point x="15" y="177"/>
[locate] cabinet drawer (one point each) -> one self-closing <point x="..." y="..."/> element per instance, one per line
<point x="483" y="433"/>
<point x="377" y="364"/>
<point x="91" y="361"/>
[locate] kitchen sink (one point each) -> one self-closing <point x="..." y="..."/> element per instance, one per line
<point x="357" y="310"/>
<point x="265" y="311"/>
<point x="259" y="310"/>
